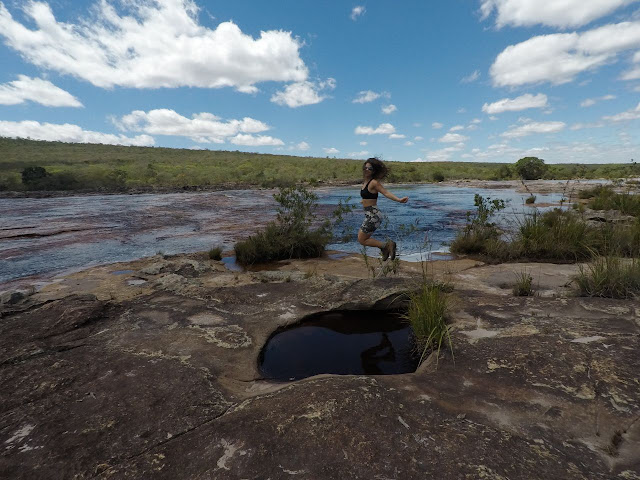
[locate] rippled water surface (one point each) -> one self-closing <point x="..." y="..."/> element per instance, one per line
<point x="40" y="237"/>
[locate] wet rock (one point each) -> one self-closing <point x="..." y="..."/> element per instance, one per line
<point x="16" y="296"/>
<point x="597" y="217"/>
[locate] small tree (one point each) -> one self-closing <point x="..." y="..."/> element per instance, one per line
<point x="531" y="168"/>
<point x="33" y="175"/>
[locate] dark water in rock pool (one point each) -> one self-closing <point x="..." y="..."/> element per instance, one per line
<point x="41" y="237"/>
<point x="346" y="342"/>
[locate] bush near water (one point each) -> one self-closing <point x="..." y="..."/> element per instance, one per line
<point x="555" y="235"/>
<point x="291" y="235"/>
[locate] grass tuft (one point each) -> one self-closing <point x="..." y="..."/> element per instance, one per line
<point x="523" y="286"/>
<point x="215" y="253"/>
<point x="427" y="315"/>
<point x="609" y="277"/>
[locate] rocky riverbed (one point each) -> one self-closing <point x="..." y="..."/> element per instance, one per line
<point x="149" y="369"/>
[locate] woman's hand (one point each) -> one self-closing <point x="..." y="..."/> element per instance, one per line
<point x="404" y="200"/>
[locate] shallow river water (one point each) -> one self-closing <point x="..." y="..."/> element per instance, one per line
<point x="42" y="237"/>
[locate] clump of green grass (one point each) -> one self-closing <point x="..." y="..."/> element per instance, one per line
<point x="609" y="277"/>
<point x="555" y="235"/>
<point x="530" y="199"/>
<point x="606" y="198"/>
<point x="593" y="192"/>
<point x="427" y="315"/>
<point x="523" y="286"/>
<point x="215" y="253"/>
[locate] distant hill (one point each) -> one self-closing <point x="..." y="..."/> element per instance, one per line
<point x="108" y="168"/>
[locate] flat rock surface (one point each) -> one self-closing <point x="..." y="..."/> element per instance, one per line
<point x="150" y="370"/>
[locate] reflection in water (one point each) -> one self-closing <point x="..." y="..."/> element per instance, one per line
<point x="383" y="352"/>
<point x="346" y="342"/>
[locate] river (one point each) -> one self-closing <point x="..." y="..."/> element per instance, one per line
<point x="44" y="237"/>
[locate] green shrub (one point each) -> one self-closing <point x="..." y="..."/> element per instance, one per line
<point x="556" y="235"/>
<point x="478" y="231"/>
<point x="531" y="168"/>
<point x="609" y="277"/>
<point x="10" y="181"/>
<point x="427" y="315"/>
<point x="215" y="253"/>
<point x="33" y="175"/>
<point x="37" y="178"/>
<point x="504" y="172"/>
<point x="291" y="235"/>
<point x="626" y="203"/>
<point x="438" y="177"/>
<point x="523" y="286"/>
<point x="530" y="200"/>
<point x="276" y="243"/>
<point x="593" y="192"/>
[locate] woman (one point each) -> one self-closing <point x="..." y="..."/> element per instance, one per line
<point x="373" y="171"/>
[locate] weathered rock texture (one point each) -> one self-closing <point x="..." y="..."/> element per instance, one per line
<point x="163" y="382"/>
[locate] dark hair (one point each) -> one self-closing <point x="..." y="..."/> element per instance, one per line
<point x="380" y="170"/>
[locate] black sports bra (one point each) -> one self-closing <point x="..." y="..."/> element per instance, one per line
<point x="366" y="194"/>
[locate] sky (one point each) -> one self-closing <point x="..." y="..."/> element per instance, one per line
<point x="448" y="80"/>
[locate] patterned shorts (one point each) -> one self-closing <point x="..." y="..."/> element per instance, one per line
<point x="372" y="219"/>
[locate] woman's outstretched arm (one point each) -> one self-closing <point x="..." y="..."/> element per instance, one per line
<point x="379" y="188"/>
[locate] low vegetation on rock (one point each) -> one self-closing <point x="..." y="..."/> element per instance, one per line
<point x="555" y="235"/>
<point x="524" y="285"/>
<point x="215" y="253"/>
<point x="113" y="168"/>
<point x="295" y="233"/>
<point x="427" y="313"/>
<point x="609" y="276"/>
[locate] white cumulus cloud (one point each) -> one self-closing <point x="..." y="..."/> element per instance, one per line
<point x="456" y="128"/>
<point x="152" y="44"/>
<point x="588" y="102"/>
<point x="36" y="90"/>
<point x="394" y="136"/>
<point x="534" y="127"/>
<point x="559" y="58"/>
<point x="554" y="13"/>
<point x="517" y="104"/>
<point x="453" y="138"/>
<point x="389" y="109"/>
<point x="255" y="140"/>
<point x="368" y="96"/>
<point x="302" y="146"/>
<point x="331" y="151"/>
<point x="382" y="129"/>
<point x="357" y="11"/>
<point x="362" y="153"/>
<point x="201" y="127"/>
<point x="624" y="116"/>
<point x="66" y="132"/>
<point x="303" y="93"/>
<point x="437" y="125"/>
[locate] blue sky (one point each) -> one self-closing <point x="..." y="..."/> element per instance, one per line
<point x="461" y="80"/>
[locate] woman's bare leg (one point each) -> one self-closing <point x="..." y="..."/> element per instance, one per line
<point x="365" y="239"/>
